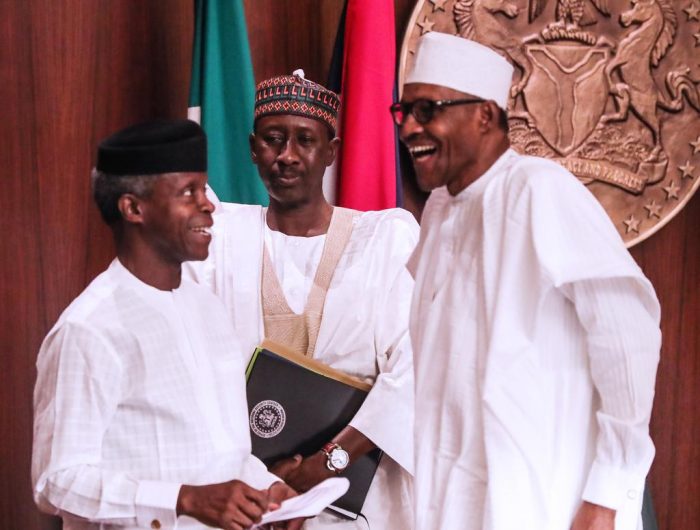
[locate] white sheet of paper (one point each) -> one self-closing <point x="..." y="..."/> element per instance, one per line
<point x="310" y="503"/>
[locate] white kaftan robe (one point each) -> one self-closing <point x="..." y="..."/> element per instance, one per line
<point x="364" y="330"/>
<point x="139" y="391"/>
<point x="536" y="343"/>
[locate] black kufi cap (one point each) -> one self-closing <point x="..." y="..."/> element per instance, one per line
<point x="153" y="147"/>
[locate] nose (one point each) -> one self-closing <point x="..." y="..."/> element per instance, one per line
<point x="204" y="204"/>
<point x="409" y="127"/>
<point x="289" y="154"/>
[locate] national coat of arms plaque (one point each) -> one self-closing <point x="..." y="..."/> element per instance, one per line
<point x="610" y="89"/>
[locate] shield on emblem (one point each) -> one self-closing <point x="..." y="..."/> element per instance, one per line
<point x="567" y="92"/>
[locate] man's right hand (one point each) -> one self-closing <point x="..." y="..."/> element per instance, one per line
<point x="594" y="517"/>
<point x="230" y="505"/>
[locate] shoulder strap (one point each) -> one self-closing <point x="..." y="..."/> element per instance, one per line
<point x="337" y="239"/>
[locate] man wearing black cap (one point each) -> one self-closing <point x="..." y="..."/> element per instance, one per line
<point x="327" y="282"/>
<point x="140" y="389"/>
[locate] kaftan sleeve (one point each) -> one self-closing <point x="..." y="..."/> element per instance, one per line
<point x="585" y="258"/>
<point x="386" y="416"/>
<point x="548" y="240"/>
<point x="78" y="389"/>
<point x="255" y="474"/>
<point x="623" y="348"/>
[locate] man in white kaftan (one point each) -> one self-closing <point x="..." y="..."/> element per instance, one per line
<point x="363" y="330"/>
<point x="121" y="351"/>
<point x="535" y="334"/>
<point x="139" y="405"/>
<point x="364" y="325"/>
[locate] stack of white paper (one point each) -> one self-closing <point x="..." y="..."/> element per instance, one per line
<point x="310" y="503"/>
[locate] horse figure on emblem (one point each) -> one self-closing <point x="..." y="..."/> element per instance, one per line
<point x="640" y="50"/>
<point x="477" y="20"/>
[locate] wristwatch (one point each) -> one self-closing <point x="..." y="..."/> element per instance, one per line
<point x="337" y="458"/>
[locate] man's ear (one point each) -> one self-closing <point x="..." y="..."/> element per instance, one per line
<point x="251" y="142"/>
<point x="488" y="115"/>
<point x="131" y="208"/>
<point x="333" y="147"/>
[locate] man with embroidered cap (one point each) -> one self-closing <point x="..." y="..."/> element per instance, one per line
<point x="140" y="395"/>
<point x="536" y="336"/>
<point x="327" y="282"/>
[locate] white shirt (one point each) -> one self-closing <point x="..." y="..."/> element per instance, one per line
<point x="138" y="391"/>
<point x="364" y="330"/>
<point x="295" y="260"/>
<point x="536" y="342"/>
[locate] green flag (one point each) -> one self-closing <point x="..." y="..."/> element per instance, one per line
<point x="223" y="88"/>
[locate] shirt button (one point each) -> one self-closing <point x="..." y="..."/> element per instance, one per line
<point x="631" y="494"/>
<point x="155" y="524"/>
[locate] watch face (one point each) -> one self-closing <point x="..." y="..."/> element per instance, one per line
<point x="339" y="458"/>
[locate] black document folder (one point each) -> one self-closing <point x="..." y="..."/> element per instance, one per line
<point x="297" y="405"/>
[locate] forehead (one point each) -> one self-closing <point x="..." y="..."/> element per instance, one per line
<point x="290" y="122"/>
<point x="414" y="91"/>
<point x="179" y="180"/>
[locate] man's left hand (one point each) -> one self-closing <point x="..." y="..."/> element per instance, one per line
<point x="276" y="493"/>
<point x="304" y="476"/>
<point x="594" y="517"/>
<point x="282" y="468"/>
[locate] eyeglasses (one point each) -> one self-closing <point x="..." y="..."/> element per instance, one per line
<point x="423" y="110"/>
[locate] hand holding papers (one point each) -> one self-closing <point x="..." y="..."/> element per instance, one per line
<point x="310" y="503"/>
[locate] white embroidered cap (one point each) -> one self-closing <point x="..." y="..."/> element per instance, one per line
<point x="462" y="64"/>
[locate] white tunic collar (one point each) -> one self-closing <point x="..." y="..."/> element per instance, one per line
<point x="483" y="180"/>
<point x="123" y="276"/>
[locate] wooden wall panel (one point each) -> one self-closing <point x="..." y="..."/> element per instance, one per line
<point x="63" y="45"/>
<point x="671" y="260"/>
<point x="75" y="70"/>
<point x="72" y="71"/>
<point x="20" y="278"/>
<point x="286" y="35"/>
<point x="687" y="411"/>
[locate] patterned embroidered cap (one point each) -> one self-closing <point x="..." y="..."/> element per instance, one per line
<point x="292" y="94"/>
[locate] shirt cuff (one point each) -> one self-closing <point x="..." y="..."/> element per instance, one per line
<point x="385" y="425"/>
<point x="613" y="488"/>
<point x="255" y="474"/>
<point x="156" y="504"/>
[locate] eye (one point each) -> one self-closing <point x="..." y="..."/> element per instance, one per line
<point x="273" y="139"/>
<point x="188" y="191"/>
<point x="306" y="139"/>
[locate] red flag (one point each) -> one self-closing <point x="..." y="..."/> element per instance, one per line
<point x="367" y="131"/>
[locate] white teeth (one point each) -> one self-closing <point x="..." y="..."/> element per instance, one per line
<point x="421" y="149"/>
<point x="201" y="230"/>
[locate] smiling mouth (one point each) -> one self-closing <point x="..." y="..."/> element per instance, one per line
<point x="202" y="230"/>
<point x="421" y="151"/>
